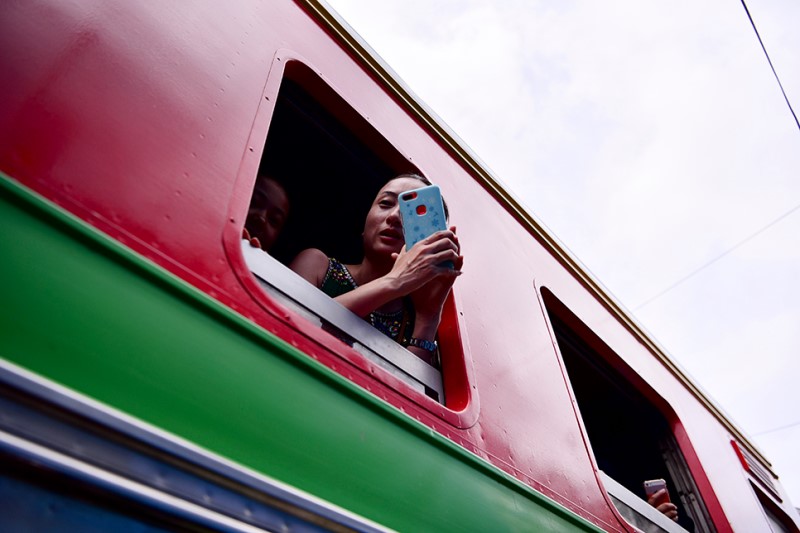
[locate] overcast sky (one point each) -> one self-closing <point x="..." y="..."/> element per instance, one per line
<point x="653" y="140"/>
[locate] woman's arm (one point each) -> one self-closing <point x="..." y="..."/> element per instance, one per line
<point x="429" y="299"/>
<point x="411" y="270"/>
<point x="312" y="264"/>
<point x="415" y="272"/>
<point x="372" y="295"/>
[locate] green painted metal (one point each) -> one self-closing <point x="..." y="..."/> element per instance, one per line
<point x="79" y="308"/>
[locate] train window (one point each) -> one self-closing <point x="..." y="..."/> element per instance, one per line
<point x="762" y="481"/>
<point x="778" y="521"/>
<point x="331" y="163"/>
<point x="631" y="437"/>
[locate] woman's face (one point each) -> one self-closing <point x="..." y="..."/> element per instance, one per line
<point x="383" y="228"/>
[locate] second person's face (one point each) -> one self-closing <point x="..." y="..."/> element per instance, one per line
<point x="267" y="214"/>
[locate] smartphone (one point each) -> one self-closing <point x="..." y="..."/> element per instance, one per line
<point x="422" y="213"/>
<point x="651" y="486"/>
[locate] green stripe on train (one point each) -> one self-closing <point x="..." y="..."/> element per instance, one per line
<point x="81" y="309"/>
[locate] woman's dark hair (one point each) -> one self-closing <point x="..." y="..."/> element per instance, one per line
<point x="426" y="181"/>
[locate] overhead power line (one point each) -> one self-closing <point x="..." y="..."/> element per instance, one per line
<point x="748" y="238"/>
<point x="753" y="24"/>
<point x="715" y="259"/>
<point x="775" y="430"/>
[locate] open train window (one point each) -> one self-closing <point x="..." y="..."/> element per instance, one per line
<point x="631" y="437"/>
<point x="331" y="162"/>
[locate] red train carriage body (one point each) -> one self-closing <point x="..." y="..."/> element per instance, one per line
<point x="148" y="121"/>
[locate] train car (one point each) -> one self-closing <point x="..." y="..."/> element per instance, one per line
<point x="158" y="372"/>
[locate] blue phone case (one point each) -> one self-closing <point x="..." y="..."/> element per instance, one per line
<point x="422" y="212"/>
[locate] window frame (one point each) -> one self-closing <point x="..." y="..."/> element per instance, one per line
<point x="678" y="453"/>
<point x="304" y="309"/>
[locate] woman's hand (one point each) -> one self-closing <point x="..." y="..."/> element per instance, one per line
<point x="668" y="509"/>
<point x="417" y="267"/>
<point x="254" y="242"/>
